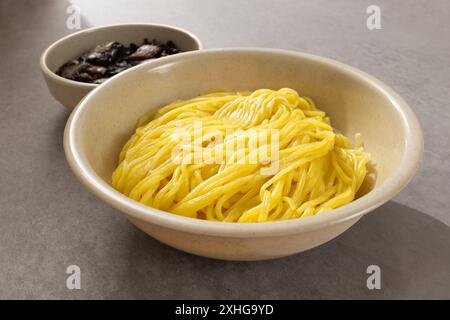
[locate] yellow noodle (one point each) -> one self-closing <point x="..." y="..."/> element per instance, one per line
<point x="316" y="169"/>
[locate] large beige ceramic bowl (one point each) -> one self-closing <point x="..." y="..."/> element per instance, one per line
<point x="355" y="101"/>
<point x="70" y="92"/>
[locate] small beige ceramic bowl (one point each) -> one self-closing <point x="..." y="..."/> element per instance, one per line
<point x="69" y="92"/>
<point x="355" y="101"/>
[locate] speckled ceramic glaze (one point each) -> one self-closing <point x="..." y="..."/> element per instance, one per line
<point x="355" y="101"/>
<point x="69" y="92"/>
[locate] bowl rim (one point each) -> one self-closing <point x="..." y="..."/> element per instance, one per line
<point x="43" y="59"/>
<point x="354" y="210"/>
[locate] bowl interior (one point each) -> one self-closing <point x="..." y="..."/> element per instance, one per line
<point x="105" y="120"/>
<point x="76" y="44"/>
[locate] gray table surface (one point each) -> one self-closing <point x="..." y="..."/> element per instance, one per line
<point x="48" y="220"/>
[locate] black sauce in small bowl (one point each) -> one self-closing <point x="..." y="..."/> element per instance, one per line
<point x="109" y="59"/>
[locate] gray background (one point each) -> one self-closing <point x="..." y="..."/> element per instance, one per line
<point x="49" y="221"/>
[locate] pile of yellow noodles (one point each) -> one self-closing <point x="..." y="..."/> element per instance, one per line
<point x="317" y="169"/>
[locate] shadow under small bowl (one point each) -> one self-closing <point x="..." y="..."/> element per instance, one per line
<point x="355" y="102"/>
<point x="70" y="92"/>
